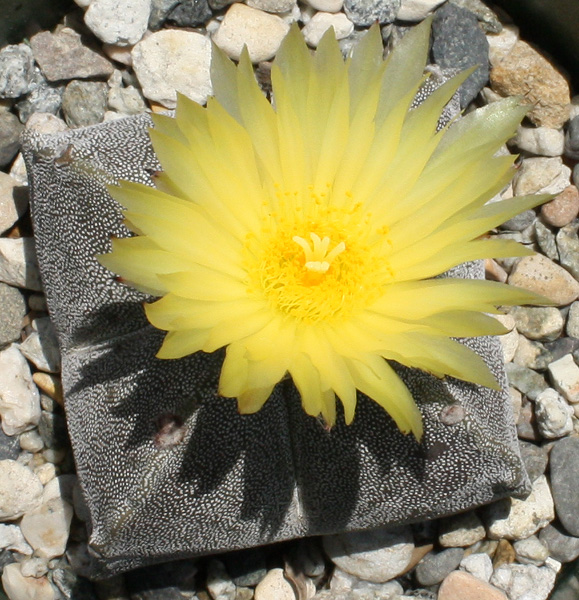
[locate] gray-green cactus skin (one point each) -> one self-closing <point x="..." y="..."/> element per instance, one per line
<point x="168" y="468"/>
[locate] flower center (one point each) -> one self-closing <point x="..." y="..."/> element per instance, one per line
<point x="318" y="260"/>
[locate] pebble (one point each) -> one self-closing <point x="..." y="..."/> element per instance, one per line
<point x="50" y="385"/>
<point x="531" y="354"/>
<point x="190" y="14"/>
<point x="538" y="322"/>
<point x="568" y="246"/>
<point x="16" y="71"/>
<point x="31" y="441"/>
<point x="479" y="565"/>
<point x="519" y="222"/>
<point x="531" y="551"/>
<point x="46" y="473"/>
<point x="18" y="587"/>
<point x="43" y="99"/>
<point x="329" y="6"/>
<point x="562" y="546"/>
<point x="18" y="264"/>
<point x="219" y="584"/>
<point x="541" y="175"/>
<point x="489" y="22"/>
<point x="526" y="73"/>
<point x="572" y="328"/>
<point x="543" y="141"/>
<point x="273" y="6"/>
<point x="572" y="138"/>
<point x="41" y="346"/>
<point x="366" y="12"/>
<point x="460" y="531"/>
<point x="346" y="586"/>
<point x="525" y="380"/>
<point x="19" y="399"/>
<point x="10" y="130"/>
<point x="494" y="271"/>
<point x="13" y="310"/>
<point x="526" y="423"/>
<point x="500" y="44"/>
<point x="565" y="377"/>
<point x="18" y="170"/>
<point x="121" y="23"/>
<point x="563" y="208"/>
<point x="20" y="490"/>
<point x="516" y="400"/>
<point x="504" y="554"/>
<point x="509" y="344"/>
<point x="11" y="538"/>
<point x="84" y="103"/>
<point x="248" y="568"/>
<point x="321" y="22"/>
<point x="416" y="10"/>
<point x="377" y="556"/>
<point x="435" y="566"/>
<point x="274" y="586"/>
<point x="553" y="414"/>
<point x="459" y="584"/>
<point x="9" y="446"/>
<point x="459" y="43"/>
<point x="524" y="582"/>
<point x="62" y="55"/>
<point x="516" y="519"/>
<point x="126" y="100"/>
<point x="13" y="201"/>
<point x="564" y="471"/>
<point x="172" y="61"/>
<point x="546" y="240"/>
<point x="541" y="275"/>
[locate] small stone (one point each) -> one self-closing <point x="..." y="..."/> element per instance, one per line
<point x="219" y="584"/>
<point x="416" y="10"/>
<point x="18" y="587"/>
<point x="45" y="123"/>
<point x="541" y="275"/>
<point x="504" y="554"/>
<point x="50" y="385"/>
<point x="519" y="222"/>
<point x="344" y="585"/>
<point x="524" y="72"/>
<point x="562" y="546"/>
<point x="377" y="555"/>
<point x="13" y="311"/>
<point x="63" y="56"/>
<point x="9" y="446"/>
<point x="516" y="399"/>
<point x="172" y="61"/>
<point x="18" y="170"/>
<point x="531" y="354"/>
<point x="41" y="346"/>
<point x="516" y="519"/>
<point x="18" y="264"/>
<point x="488" y="20"/>
<point x="500" y="44"/>
<point x="553" y="414"/>
<point x="84" y="103"/>
<point x="19" y="400"/>
<point x="546" y="240"/>
<point x="44" y="99"/>
<point x="459" y="584"/>
<point x="20" y="490"/>
<point x="565" y="377"/>
<point x="573" y="320"/>
<point x="34" y="567"/>
<point x="10" y="130"/>
<point x="120" y="54"/>
<point x="121" y="23"/>
<point x="562" y="209"/>
<point x="531" y="551"/>
<point x="46" y="473"/>
<point x="273" y="6"/>
<point x="321" y="22"/>
<point x="543" y="141"/>
<point x="11" y="538"/>
<point x="459" y="43"/>
<point x="568" y="247"/>
<point x="524" y="582"/>
<point x="509" y="343"/>
<point x="479" y="565"/>
<point x="572" y="138"/>
<point x="329" y="6"/>
<point x="274" y="586"/>
<point x="435" y="566"/>
<point x="541" y="175"/>
<point x="247" y="568"/>
<point x="365" y="12"/>
<point x="261" y="32"/>
<point x="13" y="201"/>
<point x="564" y="470"/>
<point x="494" y="271"/>
<point x="460" y="531"/>
<point x="526" y="380"/>
<point x="16" y="71"/>
<point x="526" y="424"/>
<point x="31" y="441"/>
<point x="538" y="322"/>
<point x="190" y="13"/>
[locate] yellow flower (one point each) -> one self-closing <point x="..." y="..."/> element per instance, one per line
<point x="304" y="237"/>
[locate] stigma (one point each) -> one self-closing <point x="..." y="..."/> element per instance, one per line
<point x="317" y="258"/>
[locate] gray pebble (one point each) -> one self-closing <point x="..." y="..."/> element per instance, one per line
<point x="532" y="354"/>
<point x="13" y="311"/>
<point x="246" y="568"/>
<point x="16" y="71"/>
<point x="9" y="446"/>
<point x="41" y="346"/>
<point x="543" y="323"/>
<point x="572" y="138"/>
<point x="459" y="43"/>
<point x="43" y="99"/>
<point x="10" y="130"/>
<point x="526" y="380"/>
<point x="52" y="429"/>
<point x="531" y="551"/>
<point x="435" y="566"/>
<point x="190" y="13"/>
<point x="562" y="546"/>
<point x="562" y="346"/>
<point x="488" y="19"/>
<point x="159" y="11"/>
<point x="366" y="12"/>
<point x="519" y="222"/>
<point x="526" y="423"/>
<point x="524" y="582"/>
<point x="553" y="414"/>
<point x="564" y="470"/>
<point x="535" y="459"/>
<point x="568" y="246"/>
<point x="546" y="240"/>
<point x="84" y="103"/>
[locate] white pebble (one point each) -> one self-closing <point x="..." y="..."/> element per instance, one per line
<point x="540" y="175"/>
<point x="18" y="264"/>
<point x="45" y="472"/>
<point x="274" y="586"/>
<point x="531" y="551"/>
<point x="461" y="531"/>
<point x="172" y="61"/>
<point x="479" y="565"/>
<point x="565" y="377"/>
<point x="34" y="567"/>
<point x="524" y="582"/>
<point x="261" y="32"/>
<point x="553" y="414"/>
<point x="540" y="140"/>
<point x="18" y="587"/>
<point x="321" y="22"/>
<point x="31" y="441"/>
<point x="273" y="6"/>
<point x="509" y="344"/>
<point x="416" y="10"/>
<point x="11" y="538"/>
<point x="45" y="123"/>
<point x="329" y="6"/>
<point x="41" y="346"/>
<point x="500" y="44"/>
<point x="19" y="398"/>
<point x="122" y="23"/>
<point x="20" y="490"/>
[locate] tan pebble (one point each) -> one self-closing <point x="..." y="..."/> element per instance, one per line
<point x="274" y="585"/>
<point x="539" y="274"/>
<point x="50" y="385"/>
<point x="494" y="271"/>
<point x="418" y="554"/>
<point x="527" y="73"/>
<point x="463" y="586"/>
<point x="504" y="554"/>
<point x="562" y="209"/>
